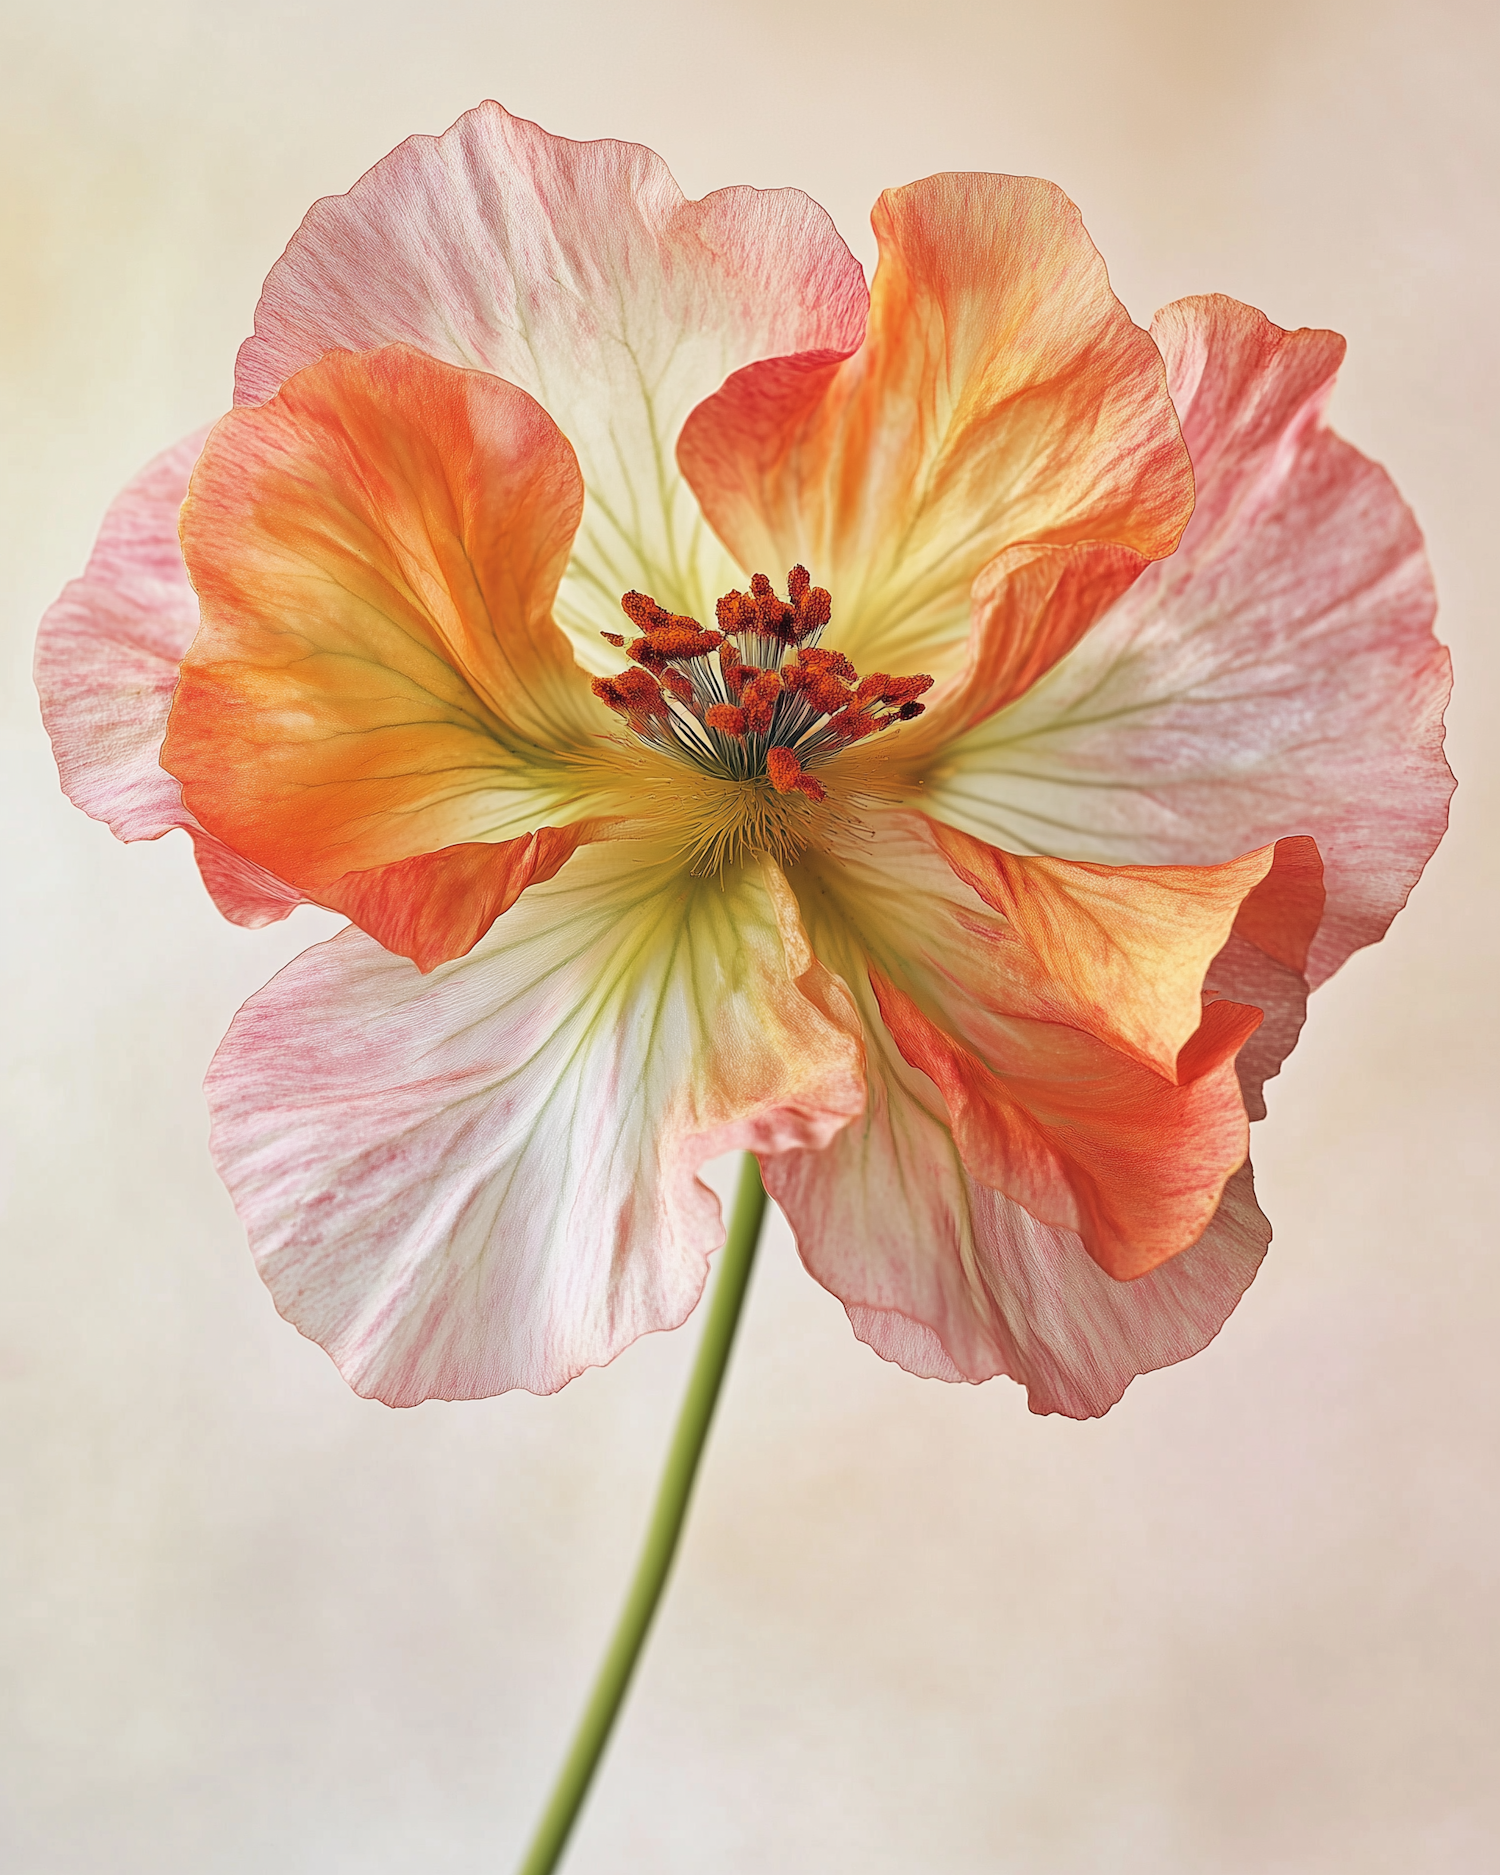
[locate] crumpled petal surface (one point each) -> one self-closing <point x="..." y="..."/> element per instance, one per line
<point x="956" y="1219"/>
<point x="1001" y="395"/>
<point x="485" y="1178"/>
<point x="1072" y="1336"/>
<point x="377" y="704"/>
<point x="580" y="272"/>
<point x="106" y="667"/>
<point x="1277" y="675"/>
<point x="1081" y="1097"/>
<point x="1119" y="951"/>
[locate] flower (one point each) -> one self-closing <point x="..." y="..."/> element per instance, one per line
<point x="739" y="709"/>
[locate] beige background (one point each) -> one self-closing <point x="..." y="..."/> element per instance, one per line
<point x="1247" y="1624"/>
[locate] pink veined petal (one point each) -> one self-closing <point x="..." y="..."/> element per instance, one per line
<point x="954" y="1279"/>
<point x="486" y="1178"/>
<point x="1072" y="1337"/>
<point x="1264" y="963"/>
<point x="106" y="668"/>
<point x="580" y="272"/>
<point x="1278" y="674"/>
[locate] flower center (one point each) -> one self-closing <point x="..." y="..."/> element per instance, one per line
<point x="755" y="704"/>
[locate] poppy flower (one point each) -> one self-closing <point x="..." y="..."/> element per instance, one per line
<point x="931" y="736"/>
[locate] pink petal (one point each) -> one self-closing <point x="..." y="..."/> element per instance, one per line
<point x="106" y="668"/>
<point x="956" y="1282"/>
<point x="486" y="1178"/>
<point x="952" y="1222"/>
<point x="1277" y="675"/>
<point x="580" y="272"/>
<point x="1073" y="1338"/>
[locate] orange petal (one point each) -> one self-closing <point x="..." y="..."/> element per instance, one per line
<point x="1060" y="1015"/>
<point x="1088" y="1141"/>
<point x="1029" y="607"/>
<point x="438" y="905"/>
<point x="377" y="676"/>
<point x="1002" y="394"/>
<point x="1010" y="1165"/>
<point x="1122" y="951"/>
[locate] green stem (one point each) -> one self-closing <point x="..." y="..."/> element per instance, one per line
<point x="672" y="1497"/>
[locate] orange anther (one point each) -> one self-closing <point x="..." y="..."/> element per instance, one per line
<point x="642" y="610"/>
<point x="762" y="612"/>
<point x="814" y="612"/>
<point x="783" y="768"/>
<point x="812" y="604"/>
<point x="787" y="776"/>
<point x="736" y="612"/>
<point x="758" y="699"/>
<point x="834" y="662"/>
<point x="635" y="695"/>
<point x="852" y="725"/>
<point x="726" y="717"/>
<point x="822" y="689"/>
<point x="891" y="691"/>
<point x="673" y="640"/>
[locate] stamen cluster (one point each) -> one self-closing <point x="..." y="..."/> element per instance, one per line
<point x="756" y="698"/>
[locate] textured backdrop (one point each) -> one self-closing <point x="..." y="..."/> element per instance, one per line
<point x="251" y="1623"/>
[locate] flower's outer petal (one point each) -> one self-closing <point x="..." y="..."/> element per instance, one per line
<point x="106" y="666"/>
<point x="1070" y="1335"/>
<point x="580" y="272"/>
<point x="900" y="1216"/>
<point x="485" y="1178"/>
<point x="377" y="704"/>
<point x="1088" y="1141"/>
<point x="1278" y="673"/>
<point x="1122" y="951"/>
<point x="1045" y="1068"/>
<point x="955" y="1281"/>
<point x="1002" y="395"/>
<point x="108" y="651"/>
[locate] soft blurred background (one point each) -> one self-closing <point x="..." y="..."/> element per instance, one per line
<point x="1245" y="1624"/>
